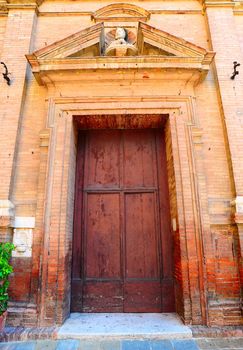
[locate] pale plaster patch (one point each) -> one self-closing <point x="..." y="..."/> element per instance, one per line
<point x="6" y="208"/>
<point x="238" y="202"/>
<point x="6" y="213"/>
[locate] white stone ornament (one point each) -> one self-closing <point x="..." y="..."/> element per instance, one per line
<point x="121" y="34"/>
<point x="22" y="240"/>
<point x="23" y="236"/>
<point x="120" y="47"/>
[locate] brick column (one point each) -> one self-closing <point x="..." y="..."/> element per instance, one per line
<point x="17" y="43"/>
<point x="225" y="42"/>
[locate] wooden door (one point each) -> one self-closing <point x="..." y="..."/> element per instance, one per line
<point x="122" y="256"/>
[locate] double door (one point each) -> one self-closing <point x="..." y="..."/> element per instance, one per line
<point x="122" y="256"/>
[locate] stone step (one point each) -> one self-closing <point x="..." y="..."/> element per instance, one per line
<point x="117" y="326"/>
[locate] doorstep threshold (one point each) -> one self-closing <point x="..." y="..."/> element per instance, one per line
<point x="124" y="326"/>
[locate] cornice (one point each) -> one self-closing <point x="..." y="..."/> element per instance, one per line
<point x="218" y="3"/>
<point x="238" y="9"/>
<point x="107" y="12"/>
<point x="6" y="5"/>
<point x="59" y="67"/>
<point x="236" y="5"/>
<point x="3" y="7"/>
<point x="24" y="2"/>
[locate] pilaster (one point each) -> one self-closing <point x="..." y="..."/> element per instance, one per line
<point x="238" y="217"/>
<point x="17" y="42"/>
<point x="225" y="42"/>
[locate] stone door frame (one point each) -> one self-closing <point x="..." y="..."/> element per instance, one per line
<point x="188" y="208"/>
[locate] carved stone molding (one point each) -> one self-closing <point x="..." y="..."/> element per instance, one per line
<point x="3" y="7"/>
<point x="218" y="3"/>
<point x="61" y="113"/>
<point x="121" y="12"/>
<point x="24" y="3"/>
<point x="69" y="55"/>
<point x="6" y="5"/>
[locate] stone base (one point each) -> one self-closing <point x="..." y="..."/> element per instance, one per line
<point x="217" y="332"/>
<point x="22" y="313"/>
<point x="11" y="334"/>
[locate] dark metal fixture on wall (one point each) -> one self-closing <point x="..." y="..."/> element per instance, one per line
<point x="236" y="72"/>
<point x="6" y="74"/>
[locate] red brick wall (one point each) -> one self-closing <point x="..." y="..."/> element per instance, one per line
<point x="3" y="21"/>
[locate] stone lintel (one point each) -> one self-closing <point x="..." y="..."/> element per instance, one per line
<point x="66" y="69"/>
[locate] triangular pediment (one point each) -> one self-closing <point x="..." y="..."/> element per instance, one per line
<point x="166" y="43"/>
<point x="86" y="42"/>
<point x="90" y="43"/>
<point x="147" y="47"/>
<point x="152" y="50"/>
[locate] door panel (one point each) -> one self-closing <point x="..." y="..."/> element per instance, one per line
<point x="102" y="238"/>
<point x="121" y="215"/>
<point x="139" y="152"/>
<point x="142" y="297"/>
<point x="102" y="169"/>
<point x="102" y="297"/>
<point x="141" y="232"/>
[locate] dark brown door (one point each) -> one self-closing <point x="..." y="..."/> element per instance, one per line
<point x="122" y="256"/>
